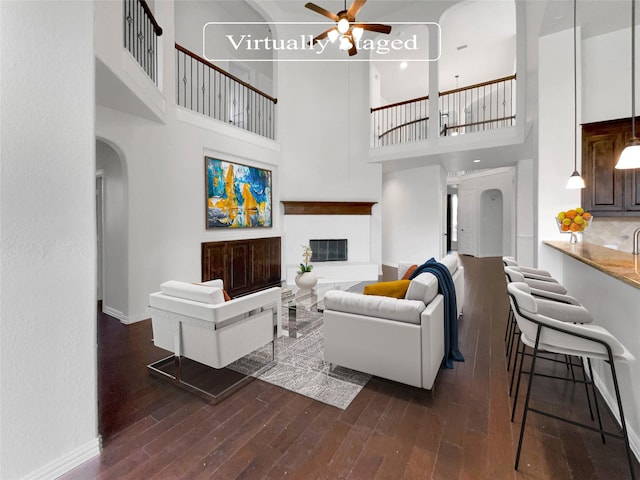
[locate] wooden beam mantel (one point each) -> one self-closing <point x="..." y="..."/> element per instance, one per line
<point x="327" y="208"/>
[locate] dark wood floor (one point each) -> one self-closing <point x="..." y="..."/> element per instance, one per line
<point x="153" y="430"/>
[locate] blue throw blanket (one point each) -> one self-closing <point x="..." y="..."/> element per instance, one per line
<point x="448" y="290"/>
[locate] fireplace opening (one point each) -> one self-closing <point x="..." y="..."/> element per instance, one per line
<point x="328" y="250"/>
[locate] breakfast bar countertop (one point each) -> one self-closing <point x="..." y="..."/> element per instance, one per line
<point x="621" y="265"/>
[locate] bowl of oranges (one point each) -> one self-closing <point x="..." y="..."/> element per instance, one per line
<point x="573" y="221"/>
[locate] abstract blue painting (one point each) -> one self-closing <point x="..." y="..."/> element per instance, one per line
<point x="238" y="196"/>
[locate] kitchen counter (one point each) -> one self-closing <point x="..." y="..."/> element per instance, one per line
<point x="621" y="265"/>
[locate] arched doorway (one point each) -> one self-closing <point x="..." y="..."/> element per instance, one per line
<point x="491" y="223"/>
<point x="111" y="202"/>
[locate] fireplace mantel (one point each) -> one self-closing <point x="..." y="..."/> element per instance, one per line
<point x="327" y="208"/>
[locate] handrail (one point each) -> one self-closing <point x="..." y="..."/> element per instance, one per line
<point x="478" y="85"/>
<point x="448" y="92"/>
<point x="403" y="125"/>
<point x="156" y="27"/>
<point x="399" y="104"/>
<point x="224" y="72"/>
<point x="482" y="122"/>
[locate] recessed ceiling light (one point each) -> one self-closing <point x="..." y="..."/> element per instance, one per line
<point x="403" y="65"/>
<point x="476" y="161"/>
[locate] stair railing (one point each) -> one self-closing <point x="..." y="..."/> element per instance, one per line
<point x="478" y="107"/>
<point x="401" y="122"/>
<point x="141" y="32"/>
<point x="483" y="106"/>
<point x="206" y="88"/>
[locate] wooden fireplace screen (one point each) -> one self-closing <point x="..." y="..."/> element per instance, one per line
<point x="245" y="266"/>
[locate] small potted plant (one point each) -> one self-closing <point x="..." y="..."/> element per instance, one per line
<point x="306" y="279"/>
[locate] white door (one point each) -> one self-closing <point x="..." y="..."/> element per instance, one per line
<point x="466" y="227"/>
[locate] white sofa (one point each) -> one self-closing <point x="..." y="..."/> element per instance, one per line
<point x="194" y="321"/>
<point x="396" y="339"/>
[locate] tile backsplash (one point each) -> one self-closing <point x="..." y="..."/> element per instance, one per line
<point x="612" y="232"/>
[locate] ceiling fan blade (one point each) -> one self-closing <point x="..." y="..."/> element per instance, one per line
<point x="374" y="27"/>
<point x="355" y="8"/>
<point x="322" y="11"/>
<point x="322" y="36"/>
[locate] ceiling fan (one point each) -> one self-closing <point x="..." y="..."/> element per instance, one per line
<point x="346" y="29"/>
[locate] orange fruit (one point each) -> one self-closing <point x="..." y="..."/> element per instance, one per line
<point x="574" y="227"/>
<point x="570" y="213"/>
<point x="564" y="228"/>
<point x="587" y="216"/>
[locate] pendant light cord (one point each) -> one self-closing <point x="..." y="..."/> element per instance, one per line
<point x="633" y="68"/>
<point x="575" y="91"/>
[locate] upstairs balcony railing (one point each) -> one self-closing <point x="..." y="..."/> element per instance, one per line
<point x="479" y="107"/>
<point x="484" y="106"/>
<point x="141" y="32"/>
<point x="207" y="89"/>
<point x="401" y="122"/>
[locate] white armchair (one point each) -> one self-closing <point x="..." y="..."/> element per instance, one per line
<point x="194" y="321"/>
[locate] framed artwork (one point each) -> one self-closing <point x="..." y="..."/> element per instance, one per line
<point x="238" y="196"/>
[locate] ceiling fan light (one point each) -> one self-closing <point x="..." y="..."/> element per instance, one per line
<point x="345" y="43"/>
<point x="343" y="25"/>
<point x="630" y="156"/>
<point x="575" y="181"/>
<point x="333" y="35"/>
<point x="357" y="33"/>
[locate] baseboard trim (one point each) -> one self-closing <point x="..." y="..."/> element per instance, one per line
<point x="603" y="389"/>
<point x="67" y="462"/>
<point x="112" y="312"/>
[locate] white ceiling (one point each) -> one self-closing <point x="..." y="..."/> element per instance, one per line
<point x="487" y="27"/>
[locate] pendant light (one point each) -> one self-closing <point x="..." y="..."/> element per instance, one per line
<point x="630" y="156"/>
<point x="575" y="180"/>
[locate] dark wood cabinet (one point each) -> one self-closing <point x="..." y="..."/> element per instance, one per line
<point x="245" y="266"/>
<point x="608" y="191"/>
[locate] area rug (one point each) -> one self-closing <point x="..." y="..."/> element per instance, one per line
<point x="299" y="365"/>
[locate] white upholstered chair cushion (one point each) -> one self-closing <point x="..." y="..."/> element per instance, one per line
<point x="564" y="337"/>
<point x="375" y="306"/>
<point x="424" y="287"/>
<point x="451" y="262"/>
<point x="190" y="291"/>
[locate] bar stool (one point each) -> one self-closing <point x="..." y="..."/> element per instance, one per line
<point x="549" y="289"/>
<point x="546" y="334"/>
<point x="565" y="311"/>
<point x="512" y="262"/>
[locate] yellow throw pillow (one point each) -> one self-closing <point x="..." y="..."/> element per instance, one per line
<point x="395" y="289"/>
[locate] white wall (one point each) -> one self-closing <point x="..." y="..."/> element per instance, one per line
<point x="166" y="195"/>
<point x="555" y="138"/>
<point x="606" y="76"/>
<point x="526" y="249"/>
<point x="48" y="400"/>
<point x="190" y="18"/>
<point x="412" y="211"/>
<point x="115" y="288"/>
<point x="323" y="112"/>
